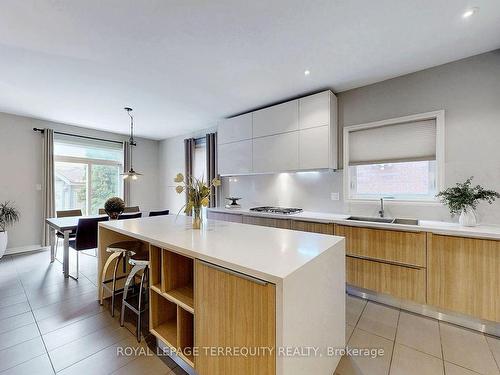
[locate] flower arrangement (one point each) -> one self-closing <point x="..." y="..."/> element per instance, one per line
<point x="463" y="199"/>
<point x="198" y="195"/>
<point x="114" y="207"/>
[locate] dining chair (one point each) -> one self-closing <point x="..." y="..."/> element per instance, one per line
<point x="86" y="237"/>
<point x="60" y="235"/>
<point x="127" y="210"/>
<point x="130" y="216"/>
<point x="159" y="213"/>
<point x="131" y="209"/>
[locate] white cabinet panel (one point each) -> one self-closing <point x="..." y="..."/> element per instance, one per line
<point x="235" y="157"/>
<point x="235" y="129"/>
<point x="314" y="110"/>
<point x="314" y="148"/>
<point x="276" y="153"/>
<point x="277" y="119"/>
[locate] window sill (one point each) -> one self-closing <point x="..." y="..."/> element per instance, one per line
<point x="395" y="201"/>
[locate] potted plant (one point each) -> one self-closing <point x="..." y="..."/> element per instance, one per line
<point x="114" y="207"/>
<point x="198" y="195"/>
<point x="8" y="216"/>
<point x="463" y="199"/>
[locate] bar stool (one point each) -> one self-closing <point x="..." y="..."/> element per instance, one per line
<point x="120" y="251"/>
<point x="139" y="262"/>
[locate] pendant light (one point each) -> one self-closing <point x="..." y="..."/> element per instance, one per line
<point x="131" y="143"/>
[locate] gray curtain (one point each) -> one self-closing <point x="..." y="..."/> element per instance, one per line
<point x="211" y="147"/>
<point x="126" y="167"/>
<point x="48" y="195"/>
<point x="189" y="145"/>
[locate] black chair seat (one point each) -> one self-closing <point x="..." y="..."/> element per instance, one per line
<point x="159" y="213"/>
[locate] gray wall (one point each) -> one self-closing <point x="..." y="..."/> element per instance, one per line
<point x="468" y="90"/>
<point x="20" y="156"/>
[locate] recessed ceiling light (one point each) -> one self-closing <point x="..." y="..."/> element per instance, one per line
<point x="307" y="72"/>
<point x="470" y="12"/>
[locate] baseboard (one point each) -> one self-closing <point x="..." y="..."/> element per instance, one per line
<point x="25" y="249"/>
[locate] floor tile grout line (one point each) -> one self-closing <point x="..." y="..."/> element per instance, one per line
<point x="23" y="362"/>
<point x="441" y="345"/>
<point x="90" y="355"/>
<point x="465" y="368"/>
<point x="491" y="351"/>
<point x="394" y="342"/>
<point x="40" y="332"/>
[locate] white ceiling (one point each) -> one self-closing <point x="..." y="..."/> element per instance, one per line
<point x="184" y="64"/>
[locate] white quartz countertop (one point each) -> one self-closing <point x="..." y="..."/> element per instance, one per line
<point x="270" y="254"/>
<point x="437" y="227"/>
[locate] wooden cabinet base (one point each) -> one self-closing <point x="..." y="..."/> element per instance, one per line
<point x="399" y="281"/>
<point x="464" y="275"/>
<point x="236" y="313"/>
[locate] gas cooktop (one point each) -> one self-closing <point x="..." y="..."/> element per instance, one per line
<point x="277" y="210"/>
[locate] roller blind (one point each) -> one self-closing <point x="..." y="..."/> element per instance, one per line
<point x="409" y="141"/>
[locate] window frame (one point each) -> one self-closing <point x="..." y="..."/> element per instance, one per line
<point x="90" y="162"/>
<point x="438" y="116"/>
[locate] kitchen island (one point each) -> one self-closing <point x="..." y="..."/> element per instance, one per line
<point x="241" y="299"/>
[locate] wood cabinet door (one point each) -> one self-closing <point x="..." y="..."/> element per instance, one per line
<point x="277" y="119"/>
<point x="310" y="226"/>
<point x="234" y="218"/>
<point x="387" y="245"/>
<point x="233" y="311"/>
<point x="235" y="157"/>
<point x="398" y="281"/>
<point x="235" y="129"/>
<point x="267" y="222"/>
<point x="464" y="275"/>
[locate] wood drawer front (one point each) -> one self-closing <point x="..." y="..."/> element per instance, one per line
<point x="464" y="275"/>
<point x="394" y="246"/>
<point x="267" y="222"/>
<point x="234" y="218"/>
<point x="309" y="226"/>
<point x="232" y="312"/>
<point x="398" y="281"/>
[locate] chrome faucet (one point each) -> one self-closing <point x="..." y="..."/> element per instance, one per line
<point x="381" y="211"/>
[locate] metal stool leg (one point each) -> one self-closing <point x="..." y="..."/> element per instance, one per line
<point x="114" y="285"/>
<point x="139" y="305"/>
<point x="111" y="258"/>
<point x="130" y="277"/>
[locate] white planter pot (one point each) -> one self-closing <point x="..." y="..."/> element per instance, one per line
<point x="3" y="243"/>
<point x="468" y="217"/>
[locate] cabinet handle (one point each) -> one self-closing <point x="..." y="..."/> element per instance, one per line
<point x="234" y="273"/>
<point x="392" y="263"/>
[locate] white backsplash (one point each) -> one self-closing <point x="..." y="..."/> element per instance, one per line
<point x="311" y="191"/>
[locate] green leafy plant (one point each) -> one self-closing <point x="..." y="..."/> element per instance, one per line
<point x="198" y="192"/>
<point x="463" y="195"/>
<point x="114" y="207"/>
<point x="8" y="215"/>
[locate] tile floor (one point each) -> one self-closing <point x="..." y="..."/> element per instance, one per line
<point x="51" y="325"/>
<point x="414" y="344"/>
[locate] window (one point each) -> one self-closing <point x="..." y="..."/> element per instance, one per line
<point x="399" y="158"/>
<point x="87" y="173"/>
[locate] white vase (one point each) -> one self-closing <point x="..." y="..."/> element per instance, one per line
<point x="468" y="217"/>
<point x="3" y="243"/>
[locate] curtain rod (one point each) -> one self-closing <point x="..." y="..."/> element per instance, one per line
<point x="79" y="136"/>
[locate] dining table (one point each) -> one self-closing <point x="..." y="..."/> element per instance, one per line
<point x="64" y="225"/>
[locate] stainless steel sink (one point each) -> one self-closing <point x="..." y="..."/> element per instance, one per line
<point x="371" y="219"/>
<point x="384" y="220"/>
<point x="405" y="221"/>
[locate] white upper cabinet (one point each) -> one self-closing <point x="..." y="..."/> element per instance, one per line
<point x="235" y="129"/>
<point x="314" y="110"/>
<point x="235" y="157"/>
<point x="314" y="148"/>
<point x="277" y="119"/>
<point x="297" y="135"/>
<point x="276" y="153"/>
